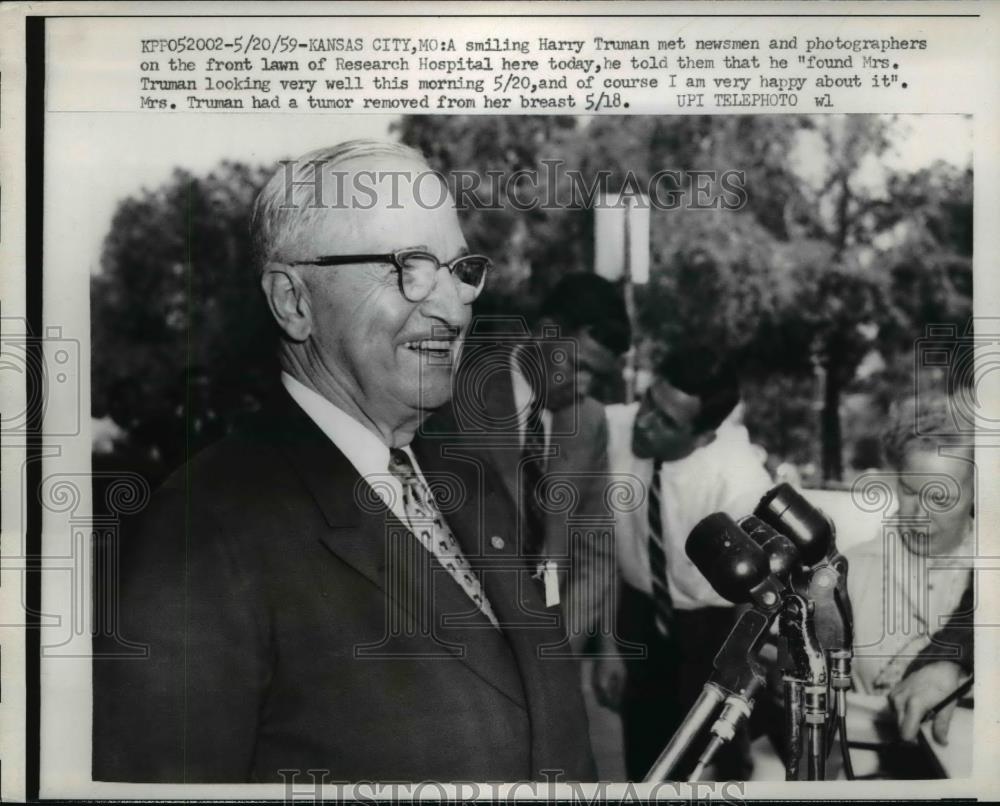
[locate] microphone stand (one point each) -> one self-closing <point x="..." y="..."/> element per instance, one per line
<point x="824" y="585"/>
<point x="735" y="679"/>
<point x="735" y="711"/>
<point x="738" y="676"/>
<point x="760" y="570"/>
<point x="826" y="589"/>
<point x="805" y="687"/>
<point x="794" y="714"/>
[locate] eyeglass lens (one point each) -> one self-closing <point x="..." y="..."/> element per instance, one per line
<point x="419" y="273"/>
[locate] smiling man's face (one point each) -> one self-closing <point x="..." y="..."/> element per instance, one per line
<point x="393" y="356"/>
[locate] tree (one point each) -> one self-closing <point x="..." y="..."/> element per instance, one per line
<point x="177" y="300"/>
<point x="532" y="247"/>
<point x="898" y="258"/>
<point x="796" y="281"/>
<point x="930" y="258"/>
<point x="928" y="262"/>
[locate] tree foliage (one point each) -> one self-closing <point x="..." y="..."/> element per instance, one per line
<point x="177" y="296"/>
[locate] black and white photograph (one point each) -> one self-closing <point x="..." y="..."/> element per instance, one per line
<point x="639" y="444"/>
<point x="291" y="381"/>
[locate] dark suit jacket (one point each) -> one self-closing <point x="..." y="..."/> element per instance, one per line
<point x="263" y="579"/>
<point x="955" y="641"/>
<point x="483" y="416"/>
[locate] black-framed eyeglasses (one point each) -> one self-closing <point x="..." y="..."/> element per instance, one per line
<point x="417" y="270"/>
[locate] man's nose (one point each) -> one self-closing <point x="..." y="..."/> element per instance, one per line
<point x="584" y="378"/>
<point x="445" y="300"/>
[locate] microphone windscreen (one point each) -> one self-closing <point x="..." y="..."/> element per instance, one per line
<point x="784" y="509"/>
<point x="782" y="556"/>
<point x="727" y="557"/>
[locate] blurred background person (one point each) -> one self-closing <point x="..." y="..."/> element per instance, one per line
<point x="907" y="582"/>
<point x="522" y="403"/>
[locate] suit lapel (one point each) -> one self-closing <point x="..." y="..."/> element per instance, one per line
<point x="560" y="464"/>
<point x="504" y="447"/>
<point x="488" y="532"/>
<point x="482" y="413"/>
<point x="362" y="530"/>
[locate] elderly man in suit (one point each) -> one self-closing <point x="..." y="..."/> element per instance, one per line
<point x="314" y="594"/>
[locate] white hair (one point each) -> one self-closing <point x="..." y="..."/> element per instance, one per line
<point x="292" y="199"/>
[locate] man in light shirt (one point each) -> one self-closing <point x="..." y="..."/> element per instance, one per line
<point x="311" y="594"/>
<point x="686" y="443"/>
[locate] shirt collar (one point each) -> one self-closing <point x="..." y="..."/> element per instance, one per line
<point x="731" y="438"/>
<point x="524" y="399"/>
<point x="524" y="395"/>
<point x="363" y="448"/>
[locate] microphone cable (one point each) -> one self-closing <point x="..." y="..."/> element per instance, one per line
<point x="845" y="748"/>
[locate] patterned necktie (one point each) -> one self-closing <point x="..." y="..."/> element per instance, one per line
<point x="658" y="557"/>
<point x="427" y="524"/>
<point x="533" y="461"/>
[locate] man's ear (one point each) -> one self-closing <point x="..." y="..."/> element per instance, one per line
<point x="288" y="298"/>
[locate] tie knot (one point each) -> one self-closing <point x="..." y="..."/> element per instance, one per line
<point x="400" y="465"/>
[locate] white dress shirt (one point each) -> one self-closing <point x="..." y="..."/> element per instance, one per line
<point x="727" y="475"/>
<point x="361" y="446"/>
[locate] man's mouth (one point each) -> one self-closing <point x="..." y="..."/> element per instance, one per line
<point x="437" y="347"/>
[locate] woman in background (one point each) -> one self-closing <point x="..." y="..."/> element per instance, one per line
<point x="908" y="582"/>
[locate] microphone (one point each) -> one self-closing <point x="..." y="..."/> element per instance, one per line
<point x="735" y="566"/>
<point x="825" y="585"/>
<point x="789" y="513"/>
<point x="739" y="570"/>
<point x="755" y="561"/>
<point x="781" y="553"/>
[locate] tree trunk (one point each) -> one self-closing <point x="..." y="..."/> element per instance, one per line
<point x="829" y="424"/>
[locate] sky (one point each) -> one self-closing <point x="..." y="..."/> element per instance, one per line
<point x="915" y="142"/>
